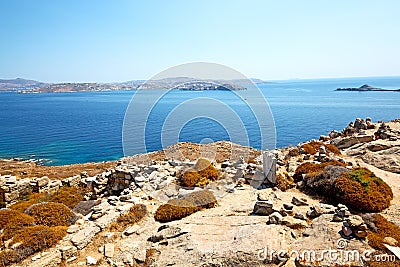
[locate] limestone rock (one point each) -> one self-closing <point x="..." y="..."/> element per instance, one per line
<point x="83" y="237"/>
<point x="68" y="252"/>
<point x="299" y="201"/>
<point x="91" y="260"/>
<point x="390" y="241"/>
<point x="294" y="223"/>
<point x="131" y="230"/>
<point x="107" y="219"/>
<point x="319" y="209"/>
<point x="388" y="160"/>
<point x="347" y="142"/>
<point x="51" y="259"/>
<point x="109" y="250"/>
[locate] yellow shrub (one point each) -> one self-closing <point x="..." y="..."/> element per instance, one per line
<point x="69" y="196"/>
<point x="135" y="214"/>
<point x="362" y="190"/>
<point x="15" y="222"/>
<point x="31" y="199"/>
<point x="51" y="214"/>
<point x="32" y="239"/>
<point x="313" y="147"/>
<point x="176" y="209"/>
<point x="202" y="173"/>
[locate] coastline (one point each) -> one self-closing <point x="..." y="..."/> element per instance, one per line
<point x="191" y="151"/>
<point x="250" y="201"/>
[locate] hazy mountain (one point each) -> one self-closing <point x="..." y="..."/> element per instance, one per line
<point x="19" y="84"/>
<point x="31" y="86"/>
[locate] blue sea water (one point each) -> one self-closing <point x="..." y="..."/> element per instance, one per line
<point x="66" y="128"/>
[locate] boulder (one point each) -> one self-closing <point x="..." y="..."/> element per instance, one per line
<point x="263" y="207"/>
<point x="275" y="218"/>
<point x="299" y="201"/>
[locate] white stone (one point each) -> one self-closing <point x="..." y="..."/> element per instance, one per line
<point x="90" y="260"/>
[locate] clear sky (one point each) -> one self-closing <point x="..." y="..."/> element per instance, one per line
<point x="104" y="40"/>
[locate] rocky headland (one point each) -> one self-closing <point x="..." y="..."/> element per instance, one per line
<point x="219" y="204"/>
<point x="367" y="88"/>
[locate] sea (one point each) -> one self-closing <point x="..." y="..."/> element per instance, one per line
<point x="68" y="128"/>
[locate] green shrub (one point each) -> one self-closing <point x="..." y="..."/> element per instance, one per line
<point x="176" y="209"/>
<point x="51" y="214"/>
<point x="202" y="173"/>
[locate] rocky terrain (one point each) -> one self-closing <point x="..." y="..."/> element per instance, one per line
<point x="266" y="213"/>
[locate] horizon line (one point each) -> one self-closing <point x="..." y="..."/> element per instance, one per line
<point x="264" y="80"/>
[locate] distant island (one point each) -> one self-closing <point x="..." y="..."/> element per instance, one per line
<point x="23" y="86"/>
<point x="367" y="87"/>
<point x="205" y="86"/>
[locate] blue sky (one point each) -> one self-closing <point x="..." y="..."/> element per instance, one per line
<point x="99" y="40"/>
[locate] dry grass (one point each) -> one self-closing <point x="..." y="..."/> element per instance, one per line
<point x="27" y="169"/>
<point x="42" y="227"/>
<point x="176" y="209"/>
<point x="202" y="173"/>
<point x="184" y="150"/>
<point x="382" y="228"/>
<point x="252" y="160"/>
